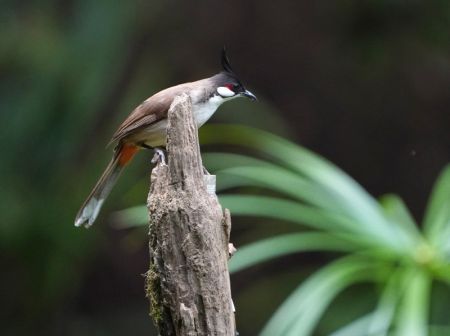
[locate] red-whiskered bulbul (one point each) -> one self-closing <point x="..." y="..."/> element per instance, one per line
<point x="146" y="127"/>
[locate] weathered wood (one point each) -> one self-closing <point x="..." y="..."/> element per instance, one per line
<point x="188" y="283"/>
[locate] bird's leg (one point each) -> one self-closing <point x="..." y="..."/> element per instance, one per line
<point x="159" y="157"/>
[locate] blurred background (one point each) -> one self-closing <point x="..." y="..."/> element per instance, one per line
<point x="363" y="83"/>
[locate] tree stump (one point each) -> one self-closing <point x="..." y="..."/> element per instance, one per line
<point x="188" y="283"/>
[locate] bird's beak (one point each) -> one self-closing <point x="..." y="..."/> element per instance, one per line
<point x="250" y="95"/>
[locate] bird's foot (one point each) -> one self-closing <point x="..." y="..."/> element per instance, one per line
<point x="159" y="157"/>
<point x="231" y="249"/>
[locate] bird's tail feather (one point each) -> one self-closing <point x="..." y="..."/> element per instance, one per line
<point x="91" y="207"/>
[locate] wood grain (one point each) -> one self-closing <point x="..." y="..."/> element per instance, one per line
<point x="188" y="283"/>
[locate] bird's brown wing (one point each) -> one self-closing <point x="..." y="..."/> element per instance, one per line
<point x="151" y="111"/>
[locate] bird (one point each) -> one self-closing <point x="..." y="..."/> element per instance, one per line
<point x="146" y="127"/>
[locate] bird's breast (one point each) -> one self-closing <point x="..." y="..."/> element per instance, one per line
<point x="155" y="134"/>
<point x="204" y="110"/>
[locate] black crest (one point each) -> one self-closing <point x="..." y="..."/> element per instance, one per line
<point x="225" y="62"/>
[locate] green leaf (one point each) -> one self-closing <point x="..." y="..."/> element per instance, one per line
<point x="131" y="217"/>
<point x="439" y="330"/>
<point x="413" y="311"/>
<point x="437" y="215"/>
<point x="378" y="322"/>
<point x="236" y="170"/>
<point x="284" y="181"/>
<point x="357" y="327"/>
<point x="281" y="209"/>
<point x="300" y="313"/>
<point x="383" y="315"/>
<point x="399" y="214"/>
<point x="358" y="203"/>
<point x="216" y="161"/>
<point x="275" y="208"/>
<point x="270" y="248"/>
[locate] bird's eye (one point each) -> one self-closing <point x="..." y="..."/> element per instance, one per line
<point x="230" y="86"/>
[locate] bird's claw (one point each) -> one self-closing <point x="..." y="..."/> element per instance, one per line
<point x="231" y="250"/>
<point x="159" y="157"/>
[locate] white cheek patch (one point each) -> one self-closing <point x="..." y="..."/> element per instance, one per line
<point x="225" y="92"/>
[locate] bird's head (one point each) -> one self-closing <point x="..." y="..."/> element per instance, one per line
<point x="228" y="84"/>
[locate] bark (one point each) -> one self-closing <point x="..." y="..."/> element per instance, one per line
<point x="188" y="283"/>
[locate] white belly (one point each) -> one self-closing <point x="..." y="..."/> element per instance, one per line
<point x="202" y="112"/>
<point x="155" y="135"/>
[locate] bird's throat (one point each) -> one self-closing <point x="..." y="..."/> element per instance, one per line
<point x="204" y="110"/>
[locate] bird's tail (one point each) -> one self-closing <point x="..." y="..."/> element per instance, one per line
<point x="91" y="207"/>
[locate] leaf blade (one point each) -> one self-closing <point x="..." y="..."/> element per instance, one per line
<point x="357" y="201"/>
<point x="437" y="214"/>
<point x="413" y="310"/>
<point x="281" y="245"/>
<point x="301" y="311"/>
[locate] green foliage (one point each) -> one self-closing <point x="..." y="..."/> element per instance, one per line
<point x="381" y="242"/>
<point x="71" y="72"/>
<point x="57" y="72"/>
